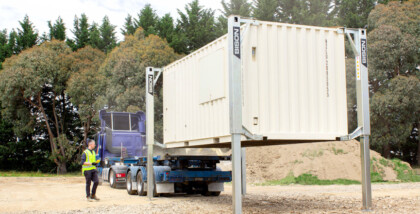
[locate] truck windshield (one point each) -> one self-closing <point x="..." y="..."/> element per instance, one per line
<point x="121" y="122"/>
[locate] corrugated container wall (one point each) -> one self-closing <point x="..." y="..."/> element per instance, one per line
<point x="293" y="87"/>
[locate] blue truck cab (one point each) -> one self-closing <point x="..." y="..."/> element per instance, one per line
<point x="121" y="141"/>
<point x="122" y="151"/>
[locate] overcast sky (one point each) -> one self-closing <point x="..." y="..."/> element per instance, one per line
<point x="41" y="11"/>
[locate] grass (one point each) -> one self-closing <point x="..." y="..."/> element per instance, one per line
<point x="307" y="179"/>
<point x="311" y="154"/>
<point x="36" y="174"/>
<point x="338" y="151"/>
<point x="404" y="173"/>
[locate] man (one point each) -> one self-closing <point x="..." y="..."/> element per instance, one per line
<point x="89" y="170"/>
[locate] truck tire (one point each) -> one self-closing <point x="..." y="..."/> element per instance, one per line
<point x="140" y="185"/>
<point x="130" y="185"/>
<point x="112" y="179"/>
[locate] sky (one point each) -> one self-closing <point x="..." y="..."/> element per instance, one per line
<point x="42" y="11"/>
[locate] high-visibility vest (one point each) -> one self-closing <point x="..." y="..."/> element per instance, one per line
<point x="90" y="158"/>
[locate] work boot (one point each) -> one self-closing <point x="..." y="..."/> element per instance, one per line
<point x="88" y="199"/>
<point x="94" y="197"/>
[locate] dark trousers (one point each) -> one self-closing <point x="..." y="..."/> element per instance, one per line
<point x="91" y="175"/>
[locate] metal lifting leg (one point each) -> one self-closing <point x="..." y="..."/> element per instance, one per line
<point x="366" y="186"/>
<point x="235" y="108"/>
<point x="359" y="46"/>
<point x="150" y="76"/>
<point x="243" y="167"/>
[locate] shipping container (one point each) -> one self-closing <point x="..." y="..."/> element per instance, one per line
<point x="293" y="88"/>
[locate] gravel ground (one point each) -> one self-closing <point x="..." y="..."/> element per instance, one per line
<point x="52" y="195"/>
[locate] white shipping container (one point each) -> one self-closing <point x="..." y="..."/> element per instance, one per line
<point x="293" y="88"/>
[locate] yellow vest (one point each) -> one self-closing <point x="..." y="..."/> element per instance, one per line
<point x="90" y="158"/>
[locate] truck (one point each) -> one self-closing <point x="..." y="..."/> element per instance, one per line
<point x="121" y="150"/>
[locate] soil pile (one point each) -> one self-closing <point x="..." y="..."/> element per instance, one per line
<point x="327" y="160"/>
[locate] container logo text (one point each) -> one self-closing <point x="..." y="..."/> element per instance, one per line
<point x="150" y="84"/>
<point x="237" y="41"/>
<point x="364" y="52"/>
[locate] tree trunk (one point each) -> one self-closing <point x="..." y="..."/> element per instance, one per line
<point x="61" y="168"/>
<point x="387" y="150"/>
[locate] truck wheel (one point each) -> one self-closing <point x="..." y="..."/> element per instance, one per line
<point x="130" y="185"/>
<point x="112" y="179"/>
<point x="140" y="185"/>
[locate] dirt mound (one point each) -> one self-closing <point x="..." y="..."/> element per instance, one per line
<point x="327" y="160"/>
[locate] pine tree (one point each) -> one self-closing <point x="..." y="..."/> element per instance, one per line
<point x="58" y="30"/>
<point x="95" y="36"/>
<point x="233" y="7"/>
<point x="3" y="46"/>
<point x="129" y="26"/>
<point x="81" y="32"/>
<point x="308" y="12"/>
<point x="196" y="27"/>
<point x="12" y="45"/>
<point x="265" y="10"/>
<point x="165" y="27"/>
<point x="107" y="30"/>
<point x="354" y="13"/>
<point x="147" y="20"/>
<point x="236" y="7"/>
<point x="27" y="35"/>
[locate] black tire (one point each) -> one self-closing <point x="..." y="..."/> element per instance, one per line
<point x="129" y="185"/>
<point x="140" y="185"/>
<point x="215" y="193"/>
<point x="112" y="179"/>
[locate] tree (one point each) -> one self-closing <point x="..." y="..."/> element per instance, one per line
<point x="129" y="26"/>
<point x="165" y="27"/>
<point x="236" y="7"/>
<point x="395" y="109"/>
<point x="354" y="13"/>
<point x="108" y="38"/>
<point x="265" y="10"/>
<point x="86" y="85"/>
<point x="27" y="35"/>
<point x="58" y="30"/>
<point x="393" y="46"/>
<point x="233" y="7"/>
<point x="12" y="46"/>
<point x="3" y="46"/>
<point x="147" y="20"/>
<point x="196" y="27"/>
<point x="95" y="36"/>
<point x="31" y="91"/>
<point x="124" y="69"/>
<point x="81" y="32"/>
<point x="308" y="12"/>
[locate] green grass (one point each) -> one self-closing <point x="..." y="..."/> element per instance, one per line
<point x="36" y="174"/>
<point x="311" y="154"/>
<point x="307" y="179"/>
<point x="338" y="151"/>
<point x="376" y="177"/>
<point x="404" y="173"/>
